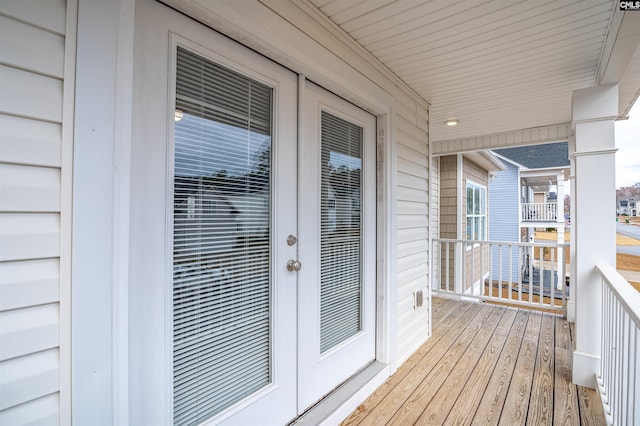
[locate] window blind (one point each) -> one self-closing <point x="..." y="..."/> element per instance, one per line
<point x="221" y="238"/>
<point x="340" y="237"/>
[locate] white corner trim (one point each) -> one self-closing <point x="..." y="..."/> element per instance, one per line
<point x="66" y="209"/>
<point x="387" y="255"/>
<point x="123" y="112"/>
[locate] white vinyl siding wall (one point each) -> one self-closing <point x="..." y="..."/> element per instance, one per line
<point x="33" y="365"/>
<point x="413" y="228"/>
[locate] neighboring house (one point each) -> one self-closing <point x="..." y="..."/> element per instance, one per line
<point x="627" y="207"/>
<point x="287" y="290"/>
<point x="525" y="197"/>
<point x="464" y="215"/>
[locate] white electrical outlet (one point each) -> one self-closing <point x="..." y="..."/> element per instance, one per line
<point x="418" y="299"/>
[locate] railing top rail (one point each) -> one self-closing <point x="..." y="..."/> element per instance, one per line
<point x="540" y="204"/>
<point x="625" y="293"/>
<point x="504" y="243"/>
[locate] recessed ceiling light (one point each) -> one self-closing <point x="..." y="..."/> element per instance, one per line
<point x="452" y="122"/>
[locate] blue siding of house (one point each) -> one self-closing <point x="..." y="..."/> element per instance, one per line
<point x="504" y="220"/>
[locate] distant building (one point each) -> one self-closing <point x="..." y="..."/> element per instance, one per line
<point x="525" y="196"/>
<point x="627" y="207"/>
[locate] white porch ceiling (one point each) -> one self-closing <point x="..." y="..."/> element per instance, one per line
<point x="496" y="66"/>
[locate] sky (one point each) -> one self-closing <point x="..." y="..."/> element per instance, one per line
<point x="628" y="144"/>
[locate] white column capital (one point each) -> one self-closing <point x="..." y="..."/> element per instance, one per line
<point x="594" y="104"/>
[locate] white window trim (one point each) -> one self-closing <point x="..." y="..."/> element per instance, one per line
<point x="484" y="214"/>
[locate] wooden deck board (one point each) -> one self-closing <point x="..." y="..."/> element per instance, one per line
<point x="590" y="407"/>
<point x="464" y="409"/>
<point x="565" y="399"/>
<point x="519" y="391"/>
<point x="414" y="406"/>
<point x="443" y="400"/>
<point x="541" y="401"/>
<point x="387" y="408"/>
<point x="485" y="364"/>
<point x="495" y="394"/>
<point x="448" y="319"/>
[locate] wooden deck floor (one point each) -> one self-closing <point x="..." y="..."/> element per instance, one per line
<point x="485" y="364"/>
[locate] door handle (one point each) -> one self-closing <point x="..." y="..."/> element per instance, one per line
<point x="293" y="265"/>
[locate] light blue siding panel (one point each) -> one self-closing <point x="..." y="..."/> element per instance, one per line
<point x="504" y="221"/>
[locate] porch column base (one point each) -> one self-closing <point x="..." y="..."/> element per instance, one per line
<point x="584" y="365"/>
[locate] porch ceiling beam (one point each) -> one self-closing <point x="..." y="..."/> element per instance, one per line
<point x="555" y="172"/>
<point x="621" y="43"/>
<point x="522" y="137"/>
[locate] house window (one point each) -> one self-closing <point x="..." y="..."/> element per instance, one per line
<point x="476" y="211"/>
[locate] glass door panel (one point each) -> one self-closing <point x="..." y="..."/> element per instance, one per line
<point x="221" y="240"/>
<point x="340" y="253"/>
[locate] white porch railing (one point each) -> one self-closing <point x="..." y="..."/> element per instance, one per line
<point x="524" y="274"/>
<point x="619" y="379"/>
<point x="539" y="212"/>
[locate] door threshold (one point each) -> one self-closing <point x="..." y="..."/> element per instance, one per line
<point x="336" y="406"/>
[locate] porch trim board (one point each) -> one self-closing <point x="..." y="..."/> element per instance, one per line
<point x="521" y="137"/>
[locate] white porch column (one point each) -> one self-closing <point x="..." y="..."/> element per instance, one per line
<point x="594" y="111"/>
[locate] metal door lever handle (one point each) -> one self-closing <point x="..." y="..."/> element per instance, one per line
<point x="293" y="265"/>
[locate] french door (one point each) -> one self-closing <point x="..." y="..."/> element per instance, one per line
<point x="336" y="286"/>
<point x="252" y="252"/>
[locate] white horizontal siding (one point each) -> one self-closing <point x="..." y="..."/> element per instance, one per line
<point x="32" y="49"/>
<point x="30" y="142"/>
<point x="29" y="377"/>
<point x="29" y="189"/>
<point x="30" y="95"/>
<point x="29" y="283"/>
<point x="29" y="236"/>
<point x="42" y="412"/>
<point x="434" y="223"/>
<point x="49" y="15"/>
<point x="26" y="47"/>
<point x="28" y="330"/>
<point x="412" y="193"/>
<point x="416" y="234"/>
